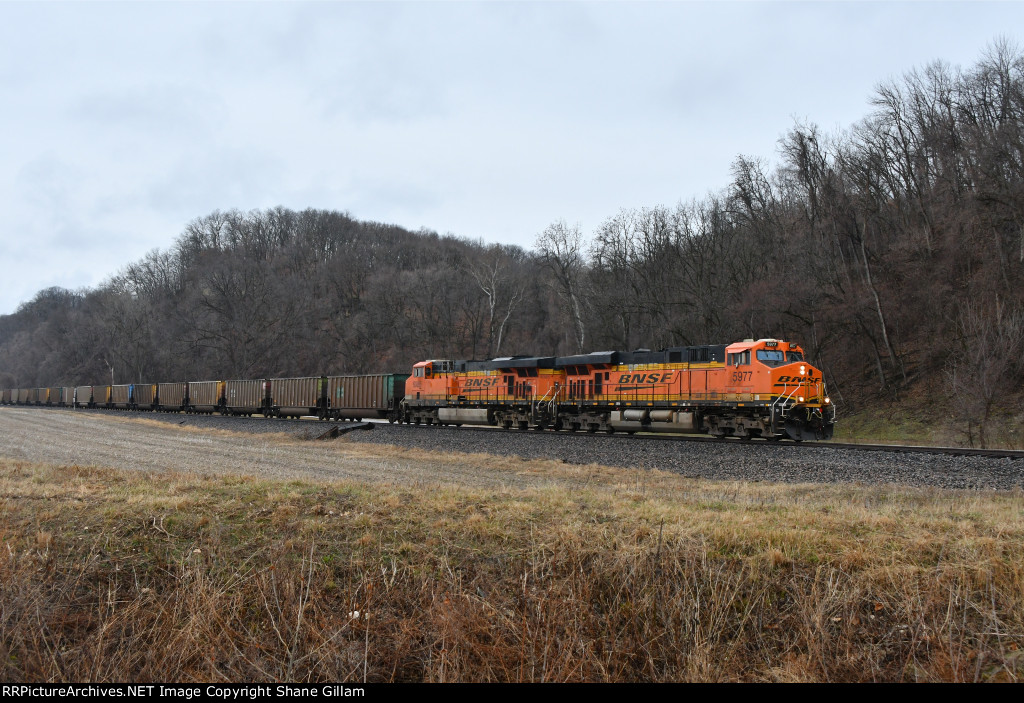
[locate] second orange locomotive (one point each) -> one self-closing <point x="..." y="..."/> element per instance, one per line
<point x="762" y="388"/>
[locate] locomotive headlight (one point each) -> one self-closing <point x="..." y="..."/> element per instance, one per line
<point x="799" y="399"/>
<point x="827" y="400"/>
<point x="803" y="369"/>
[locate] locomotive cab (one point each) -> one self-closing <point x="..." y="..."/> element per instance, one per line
<point x="749" y="367"/>
<point x="429" y="380"/>
<point x="775" y="375"/>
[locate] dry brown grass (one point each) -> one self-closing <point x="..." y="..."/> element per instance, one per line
<point x="598" y="574"/>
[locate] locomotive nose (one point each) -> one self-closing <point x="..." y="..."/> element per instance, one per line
<point x="799" y="383"/>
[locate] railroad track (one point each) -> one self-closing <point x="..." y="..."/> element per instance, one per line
<point x="895" y="448"/>
<point x="1013" y="454"/>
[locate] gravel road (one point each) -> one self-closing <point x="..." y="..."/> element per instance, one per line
<point x="67" y="436"/>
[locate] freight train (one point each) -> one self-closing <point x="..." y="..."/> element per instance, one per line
<point x="326" y="397"/>
<point x="755" y="388"/>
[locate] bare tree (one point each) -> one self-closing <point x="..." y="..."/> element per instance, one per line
<point x="986" y="361"/>
<point x="498" y="275"/>
<point x="561" y="250"/>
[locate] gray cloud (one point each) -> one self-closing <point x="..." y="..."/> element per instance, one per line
<point x="219" y="178"/>
<point x="160" y="110"/>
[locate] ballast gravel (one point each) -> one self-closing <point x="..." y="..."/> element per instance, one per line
<point x="720" y="459"/>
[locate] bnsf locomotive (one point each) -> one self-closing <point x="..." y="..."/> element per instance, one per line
<point x="750" y="389"/>
<point x="762" y="388"/>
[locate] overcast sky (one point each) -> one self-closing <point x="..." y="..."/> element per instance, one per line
<point x="119" y="122"/>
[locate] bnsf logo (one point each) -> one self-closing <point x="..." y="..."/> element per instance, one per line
<point x="646" y="377"/>
<point x="791" y="380"/>
<point x="480" y="382"/>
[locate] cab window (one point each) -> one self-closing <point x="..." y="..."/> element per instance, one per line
<point x="770" y="357"/>
<point x="794" y="356"/>
<point x="739" y="359"/>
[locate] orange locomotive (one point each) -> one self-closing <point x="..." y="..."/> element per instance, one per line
<point x="762" y="388"/>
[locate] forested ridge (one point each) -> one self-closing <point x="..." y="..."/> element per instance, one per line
<point x="893" y="250"/>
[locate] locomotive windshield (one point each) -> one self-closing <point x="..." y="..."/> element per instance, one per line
<point x="773" y="357"/>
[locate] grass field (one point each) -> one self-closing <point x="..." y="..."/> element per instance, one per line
<point x="600" y="575"/>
